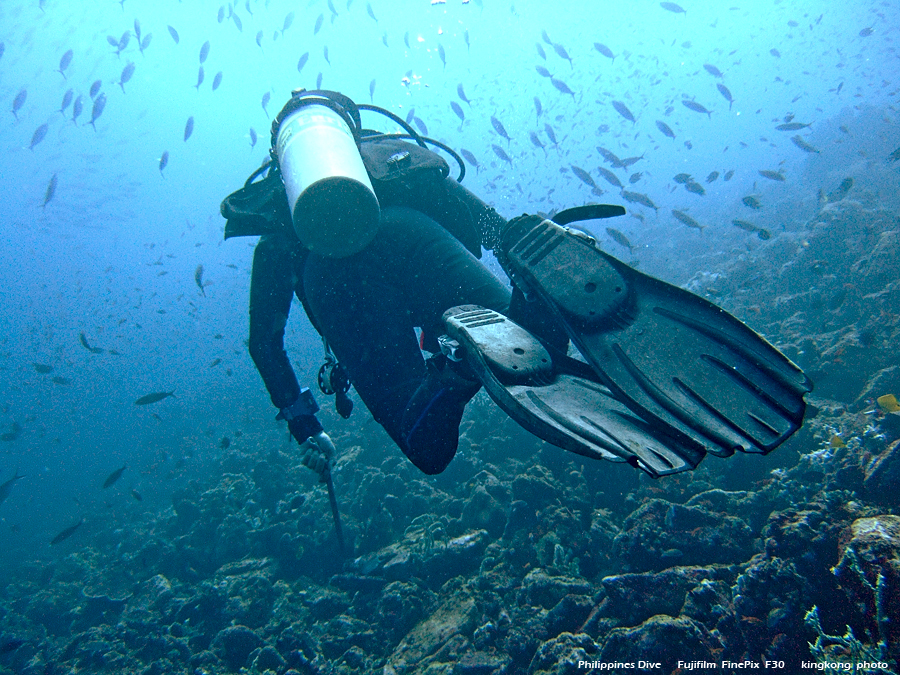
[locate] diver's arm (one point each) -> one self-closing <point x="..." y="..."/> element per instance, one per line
<point x="271" y="294"/>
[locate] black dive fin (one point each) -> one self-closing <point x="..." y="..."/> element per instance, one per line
<point x="558" y="399"/>
<point x="686" y="366"/>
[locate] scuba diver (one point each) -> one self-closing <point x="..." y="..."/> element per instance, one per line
<point x="381" y="246"/>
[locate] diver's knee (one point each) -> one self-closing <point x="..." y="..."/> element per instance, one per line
<point x="430" y="463"/>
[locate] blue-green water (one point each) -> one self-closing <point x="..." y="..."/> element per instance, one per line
<point x="113" y="253"/>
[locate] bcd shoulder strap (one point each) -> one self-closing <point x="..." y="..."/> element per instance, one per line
<point x="401" y="171"/>
<point x="406" y="174"/>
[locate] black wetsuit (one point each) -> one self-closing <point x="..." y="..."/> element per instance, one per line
<point x="368" y="304"/>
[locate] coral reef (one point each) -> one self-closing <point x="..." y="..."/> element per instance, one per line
<point x="520" y="558"/>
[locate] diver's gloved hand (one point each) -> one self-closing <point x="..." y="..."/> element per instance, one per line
<point x="317" y="452"/>
<point x="301" y="416"/>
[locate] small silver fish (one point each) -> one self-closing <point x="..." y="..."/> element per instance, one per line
<point x="672" y="7"/>
<point x="500" y="129"/>
<point x="67" y="99"/>
<point x="198" y="279"/>
<point x="550" y="133"/>
<point x="470" y="158"/>
<point x="155" y="397"/>
<point x="606" y="51"/>
<point x="97" y="110"/>
<point x="772" y="175"/>
<point x="610" y="177"/>
<point x="665" y="129"/>
<point x="620" y="238"/>
<point x="695" y="187"/>
<point x="501" y="154"/>
<point x="64" y="63"/>
<point x="66" y="533"/>
<point x="583" y="176"/>
<point x="726" y="94"/>
<point x="752" y="202"/>
<point x="562" y="53"/>
<point x="791" y="126"/>
<point x="562" y="86"/>
<point x="458" y="111"/>
<point x="802" y="144"/>
<point x="18" y="102"/>
<point x="639" y="198"/>
<point x="687" y="220"/>
<point x="113" y="477"/>
<point x="288" y="20"/>
<point x="127" y="72"/>
<point x="7" y="486"/>
<point x="39" y="134"/>
<point x="696" y="107"/>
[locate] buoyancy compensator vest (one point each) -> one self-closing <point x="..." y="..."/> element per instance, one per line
<point x="399" y="172"/>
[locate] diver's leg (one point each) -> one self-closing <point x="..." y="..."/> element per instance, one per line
<point x="369" y="329"/>
<point x="366" y="305"/>
<point x="438" y="271"/>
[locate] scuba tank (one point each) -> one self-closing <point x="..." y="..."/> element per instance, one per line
<point x="316" y="141"/>
<point x="333" y="207"/>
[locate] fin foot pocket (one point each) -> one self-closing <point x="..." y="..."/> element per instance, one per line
<point x="512" y="353"/>
<point x="564" y="263"/>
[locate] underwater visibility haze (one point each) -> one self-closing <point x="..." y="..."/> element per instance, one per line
<point x="154" y="517"/>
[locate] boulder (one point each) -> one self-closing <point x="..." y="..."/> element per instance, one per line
<point x="234" y="644"/>
<point x="453" y="619"/>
